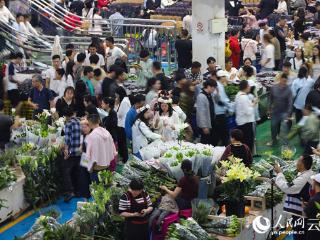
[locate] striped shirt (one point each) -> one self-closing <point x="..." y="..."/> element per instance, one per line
<point x="125" y="203"/>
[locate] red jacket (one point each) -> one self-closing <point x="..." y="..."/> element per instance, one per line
<point x="236" y="49"/>
<point x="72" y="21"/>
<point x="102" y="3"/>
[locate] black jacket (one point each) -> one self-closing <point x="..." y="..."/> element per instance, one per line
<point x="110" y="123"/>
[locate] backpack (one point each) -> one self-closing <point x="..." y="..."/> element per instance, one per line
<point x="227" y="49"/>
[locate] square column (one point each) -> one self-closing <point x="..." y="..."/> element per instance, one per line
<point x="205" y="43"/>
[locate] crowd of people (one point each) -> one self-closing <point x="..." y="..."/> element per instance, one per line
<point x="103" y="117"/>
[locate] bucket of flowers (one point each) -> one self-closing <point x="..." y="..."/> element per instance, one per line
<point x="236" y="182"/>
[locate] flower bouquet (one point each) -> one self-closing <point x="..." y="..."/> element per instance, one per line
<point x="287" y="152"/>
<point x="237" y="180"/>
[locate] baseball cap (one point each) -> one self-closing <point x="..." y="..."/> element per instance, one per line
<point x="316" y="177"/>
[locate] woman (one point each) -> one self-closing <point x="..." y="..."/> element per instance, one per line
<point x="87" y="11"/>
<point x="69" y="73"/>
<point x="238" y="149"/>
<point x="84" y="178"/>
<point x="315" y="61"/>
<point x="110" y="122"/>
<point x="282" y="7"/>
<point x="187" y="188"/>
<point x="300" y="89"/>
<point x="246" y="62"/>
<point x="299" y="23"/>
<point x="66" y="102"/>
<point x="80" y="92"/>
<point x="298" y="59"/>
<point x="249" y="46"/>
<point x="250" y="20"/>
<point x="268" y="55"/>
<point x="231" y="71"/>
<point x="149" y="38"/>
<point x="144" y="68"/>
<point x="141" y="132"/>
<point x="123" y="106"/>
<point x="96" y="25"/>
<point x="153" y="87"/>
<point x="166" y="119"/>
<point x="135" y="206"/>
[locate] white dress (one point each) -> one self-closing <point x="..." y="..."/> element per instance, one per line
<point x="96" y="25"/>
<point x="166" y="126"/>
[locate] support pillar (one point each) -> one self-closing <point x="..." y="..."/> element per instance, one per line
<point x="204" y="43"/>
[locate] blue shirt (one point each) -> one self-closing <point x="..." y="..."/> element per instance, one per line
<point x="300" y="89"/>
<point x="72" y="136"/>
<point x="130" y="117"/>
<point x="89" y="85"/>
<point x="42" y="98"/>
<point x="222" y="98"/>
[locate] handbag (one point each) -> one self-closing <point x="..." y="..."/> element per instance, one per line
<point x="148" y="139"/>
<point x="84" y="160"/>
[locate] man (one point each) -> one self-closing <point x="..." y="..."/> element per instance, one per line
<point x="79" y="66"/>
<point x="70" y="54"/>
<point x="205" y="112"/>
<point x="108" y="81"/>
<point x="5" y="14"/>
<point x="113" y="53"/>
<point x="313" y="97"/>
<point x="116" y="19"/>
<point x="138" y="102"/>
<point x="77" y="6"/>
<point x="94" y="63"/>
<point x="181" y="83"/>
<point x="212" y="68"/>
<point x="183" y="47"/>
<point x="245" y="116"/>
<point x="281" y="35"/>
<point x="286" y="69"/>
<point x="40" y="98"/>
<point x="100" y="148"/>
<point x="5" y="127"/>
<point x="20" y="27"/>
<point x="72" y="154"/>
<point x="280" y="106"/>
<point x="311" y="210"/>
<point x="235" y="48"/>
<point x="221" y="104"/>
<point x="87" y="78"/>
<point x="193" y="75"/>
<point x="266" y="7"/>
<point x="187" y="23"/>
<point x="277" y="49"/>
<point x="297" y="191"/>
<point x="93" y="51"/>
<point x="158" y="74"/>
<point x="13" y="83"/>
<point x="50" y="74"/>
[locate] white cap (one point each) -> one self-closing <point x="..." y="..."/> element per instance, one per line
<point x="316" y="177"/>
<point x="251" y="83"/>
<point x="221" y="73"/>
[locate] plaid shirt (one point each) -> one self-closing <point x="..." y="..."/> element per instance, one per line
<point x="72" y="131"/>
<point x="193" y="77"/>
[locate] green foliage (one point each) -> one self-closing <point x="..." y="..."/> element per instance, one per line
<point x="41" y="176"/>
<point x="9" y="157"/>
<point x="6" y="177"/>
<point x="234" y="227"/>
<point x="231" y="91"/>
<point x="63" y="232"/>
<point x="96" y="219"/>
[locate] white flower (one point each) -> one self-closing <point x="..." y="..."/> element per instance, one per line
<point x="13" y="110"/>
<point x="60" y="122"/>
<point x="181" y="126"/>
<point x="46" y="112"/>
<point x="53" y="110"/>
